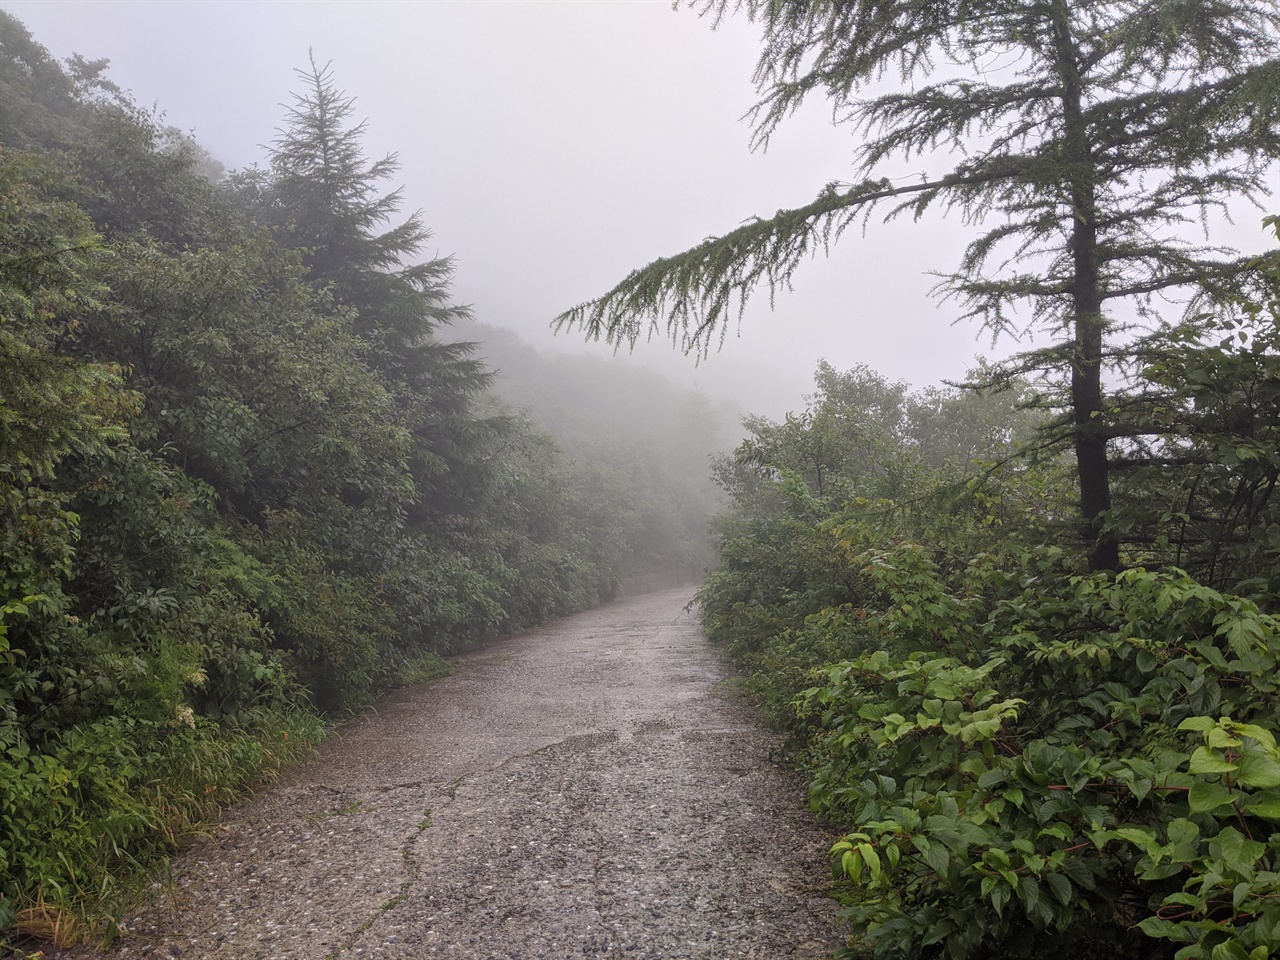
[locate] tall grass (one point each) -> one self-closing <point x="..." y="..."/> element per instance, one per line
<point x="91" y="821"/>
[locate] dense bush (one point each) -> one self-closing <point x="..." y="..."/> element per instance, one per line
<point x="1022" y="759"/>
<point x="1019" y="763"/>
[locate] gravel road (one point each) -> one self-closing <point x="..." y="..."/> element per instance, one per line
<point x="589" y="789"/>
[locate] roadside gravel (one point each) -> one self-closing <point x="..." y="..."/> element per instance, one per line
<point x="589" y="789"/>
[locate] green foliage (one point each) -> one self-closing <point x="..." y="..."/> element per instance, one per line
<point x="86" y="817"/>
<point x="1000" y="751"/>
<point x="1201" y="469"/>
<point x="423" y="668"/>
<point x="1227" y="905"/>
<point x="1022" y="760"/>
<point x="243" y="482"/>
<point x="868" y="463"/>
<point x="325" y="199"/>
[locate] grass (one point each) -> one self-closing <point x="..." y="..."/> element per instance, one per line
<point x="423" y="668"/>
<point x="75" y="886"/>
<point x="81" y="874"/>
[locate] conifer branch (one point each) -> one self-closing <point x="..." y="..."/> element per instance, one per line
<point x="701" y="290"/>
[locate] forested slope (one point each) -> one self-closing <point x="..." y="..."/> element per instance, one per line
<point x="245" y="480"/>
<point x="633" y="432"/>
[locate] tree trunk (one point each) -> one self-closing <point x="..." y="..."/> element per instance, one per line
<point x="1091" y="444"/>
<point x="1086" y="302"/>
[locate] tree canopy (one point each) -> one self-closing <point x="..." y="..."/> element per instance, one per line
<point x="1083" y="143"/>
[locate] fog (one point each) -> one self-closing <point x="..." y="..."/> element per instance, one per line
<point x="554" y="147"/>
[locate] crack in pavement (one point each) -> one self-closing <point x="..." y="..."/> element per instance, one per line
<point x="413" y="869"/>
<point x="593" y="791"/>
<point x="413" y="873"/>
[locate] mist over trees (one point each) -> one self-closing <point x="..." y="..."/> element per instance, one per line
<point x="246" y="482"/>
<point x="1094" y="136"/>
<point x="631" y="431"/>
<point x="257" y="465"/>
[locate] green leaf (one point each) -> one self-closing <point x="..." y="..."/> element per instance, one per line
<point x="1260" y="734"/>
<point x="1139" y="836"/>
<point x="999" y="897"/>
<point x="1141" y="788"/>
<point x="1229" y="950"/>
<point x="1061" y="887"/>
<point x="1237" y="851"/>
<point x="1215" y="658"/>
<point x="1155" y="927"/>
<point x="892" y="854"/>
<point x="1205" y="760"/>
<point x="851" y="865"/>
<point x="1266" y="807"/>
<point x="1205" y="797"/>
<point x="1199" y="724"/>
<point x="1029" y="893"/>
<point x="1161" y="871"/>
<point x="992" y="777"/>
<point x="935" y="855"/>
<point x="871" y="858"/>
<point x="1219" y="738"/>
<point x="1255" y="769"/>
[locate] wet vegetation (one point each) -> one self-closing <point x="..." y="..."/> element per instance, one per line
<point x="1023" y="635"/>
<point x="1023" y="757"/>
<point x="256" y="465"/>
<point x="251" y="475"/>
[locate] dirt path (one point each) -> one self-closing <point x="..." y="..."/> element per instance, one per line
<point x="585" y="790"/>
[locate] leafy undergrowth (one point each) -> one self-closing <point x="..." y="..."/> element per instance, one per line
<point x="1029" y="762"/>
<point x="89" y="822"/>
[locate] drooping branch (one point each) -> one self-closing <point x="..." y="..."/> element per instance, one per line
<point x="701" y="290"/>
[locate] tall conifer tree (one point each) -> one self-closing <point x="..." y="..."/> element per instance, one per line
<point x="327" y="197"/>
<point x="1093" y="135"/>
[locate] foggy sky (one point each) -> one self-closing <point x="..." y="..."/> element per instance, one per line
<point x="553" y="147"/>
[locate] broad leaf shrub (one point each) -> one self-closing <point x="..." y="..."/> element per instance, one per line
<point x="139" y="692"/>
<point x="1027" y="762"/>
<point x="1229" y="901"/>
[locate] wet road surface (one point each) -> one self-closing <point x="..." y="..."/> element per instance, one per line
<point x="588" y="789"/>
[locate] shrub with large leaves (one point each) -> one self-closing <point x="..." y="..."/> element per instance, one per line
<point x="1018" y="767"/>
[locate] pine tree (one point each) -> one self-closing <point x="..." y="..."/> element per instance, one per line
<point x="327" y="197"/>
<point x="1093" y="136"/>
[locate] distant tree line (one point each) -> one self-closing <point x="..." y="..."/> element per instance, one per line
<point x="245" y="478"/>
